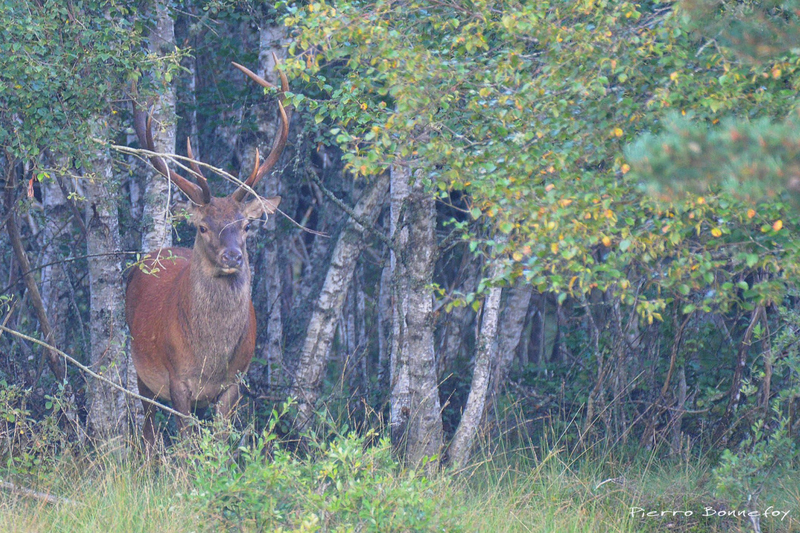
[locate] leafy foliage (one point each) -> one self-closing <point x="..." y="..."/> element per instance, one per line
<point x="526" y="108"/>
<point x="63" y="64"/>
<point x="347" y="482"/>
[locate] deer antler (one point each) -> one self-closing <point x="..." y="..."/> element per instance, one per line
<point x="199" y="194"/>
<point x="280" y="140"/>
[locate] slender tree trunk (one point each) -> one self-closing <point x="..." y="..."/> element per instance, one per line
<point x="108" y="410"/>
<point x="361" y="344"/>
<point x="457" y="322"/>
<point x="54" y="279"/>
<point x="512" y="324"/>
<point x="156" y="232"/>
<point x="328" y="221"/>
<point x="270" y="41"/>
<point x="415" y="417"/>
<point x="463" y="440"/>
<point x="53" y="359"/>
<point x="735" y="395"/>
<point x="385" y="319"/>
<point x="328" y="307"/>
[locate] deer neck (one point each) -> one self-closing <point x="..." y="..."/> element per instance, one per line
<point x="220" y="308"/>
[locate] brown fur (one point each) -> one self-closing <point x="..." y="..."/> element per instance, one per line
<point x="191" y="318"/>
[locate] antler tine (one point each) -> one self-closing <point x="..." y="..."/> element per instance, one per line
<point x="253" y="76"/>
<point x="142" y="123"/>
<point x="255" y="168"/>
<point x="280" y="140"/>
<point x="201" y="179"/>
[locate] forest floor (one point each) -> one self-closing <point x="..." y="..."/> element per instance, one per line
<point x="351" y="483"/>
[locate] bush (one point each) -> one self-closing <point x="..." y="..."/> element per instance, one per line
<point x="348" y="482"/>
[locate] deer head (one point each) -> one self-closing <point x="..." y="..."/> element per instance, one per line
<point x="221" y="222"/>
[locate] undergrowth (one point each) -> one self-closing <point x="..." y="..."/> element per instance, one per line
<point x="335" y="479"/>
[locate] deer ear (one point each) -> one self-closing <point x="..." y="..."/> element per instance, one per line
<point x="255" y="208"/>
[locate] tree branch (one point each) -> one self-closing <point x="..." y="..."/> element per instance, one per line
<point x="93" y="373"/>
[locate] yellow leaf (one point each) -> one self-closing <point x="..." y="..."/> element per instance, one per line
<point x="716" y="232"/>
<point x="625" y="168"/>
<point x="673" y="76"/>
<point x="777" y="225"/>
<point x="617" y="132"/>
<point x="776" y="73"/>
<point x="701" y="200"/>
<point x="517" y="256"/>
<point x="549" y="187"/>
<point x="554" y="247"/>
<point x="572" y="282"/>
<point x="606" y="242"/>
<point x="751" y="213"/>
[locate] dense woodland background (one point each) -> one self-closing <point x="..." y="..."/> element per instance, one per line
<point x="571" y="220"/>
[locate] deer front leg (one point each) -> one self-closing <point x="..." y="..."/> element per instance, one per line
<point x="149" y="427"/>
<point x="181" y="397"/>
<point x="228" y="400"/>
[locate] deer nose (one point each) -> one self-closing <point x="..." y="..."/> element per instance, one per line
<point x="232" y="258"/>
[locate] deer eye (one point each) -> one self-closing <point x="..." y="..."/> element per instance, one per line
<point x="248" y="226"/>
<point x="202" y="229"/>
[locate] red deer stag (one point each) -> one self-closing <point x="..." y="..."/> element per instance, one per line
<point x="192" y="323"/>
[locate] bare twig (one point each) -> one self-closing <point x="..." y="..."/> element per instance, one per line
<point x="94" y="374"/>
<point x="29" y="493"/>
<point x="349" y="211"/>
<point x="19" y="251"/>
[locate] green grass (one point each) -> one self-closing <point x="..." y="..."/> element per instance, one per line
<point x="224" y="480"/>
<point x="346" y="484"/>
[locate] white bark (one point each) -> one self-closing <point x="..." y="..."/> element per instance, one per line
<point x="463" y="440"/>
<point x="270" y="287"/>
<point x="328" y="306"/>
<point x="156" y="232"/>
<point x="512" y="324"/>
<point x="415" y="416"/>
<point x="54" y="280"/>
<point x="108" y="410"/>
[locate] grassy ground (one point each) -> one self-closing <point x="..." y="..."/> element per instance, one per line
<point x="346" y="484"/>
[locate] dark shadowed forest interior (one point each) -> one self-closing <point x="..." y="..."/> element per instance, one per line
<point x="515" y="259"/>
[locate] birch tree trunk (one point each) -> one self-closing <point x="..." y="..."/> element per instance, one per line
<point x="512" y="324"/>
<point x="463" y="440"/>
<point x="156" y="230"/>
<point x="271" y="40"/>
<point x="385" y="322"/>
<point x="54" y="279"/>
<point x="328" y="307"/>
<point x="108" y="409"/>
<point x="415" y="417"/>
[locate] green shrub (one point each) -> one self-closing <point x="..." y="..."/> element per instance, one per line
<point x="345" y="483"/>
